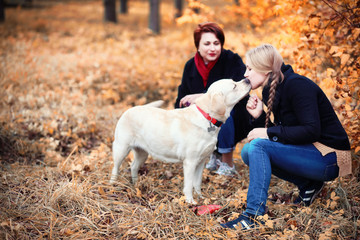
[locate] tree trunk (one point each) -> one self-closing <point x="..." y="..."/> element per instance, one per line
<point x="123" y="6"/>
<point x="196" y="9"/>
<point x="110" y="11"/>
<point x="154" y="18"/>
<point x="2" y="11"/>
<point x="178" y="8"/>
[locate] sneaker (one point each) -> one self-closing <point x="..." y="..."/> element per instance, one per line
<point x="213" y="164"/>
<point x="225" y="169"/>
<point x="246" y="221"/>
<point x="308" y="194"/>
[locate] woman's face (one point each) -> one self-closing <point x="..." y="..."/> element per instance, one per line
<point x="257" y="79"/>
<point x="209" y="47"/>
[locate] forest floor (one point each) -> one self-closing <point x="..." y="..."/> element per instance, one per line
<point x="65" y="79"/>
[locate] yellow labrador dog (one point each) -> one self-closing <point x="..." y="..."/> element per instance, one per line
<point x="186" y="135"/>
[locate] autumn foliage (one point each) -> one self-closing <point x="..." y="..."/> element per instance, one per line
<point x="66" y="77"/>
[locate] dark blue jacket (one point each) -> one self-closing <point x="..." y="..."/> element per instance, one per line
<point x="229" y="65"/>
<point x="303" y="114"/>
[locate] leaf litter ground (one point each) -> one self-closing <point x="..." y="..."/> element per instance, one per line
<point x="66" y="77"/>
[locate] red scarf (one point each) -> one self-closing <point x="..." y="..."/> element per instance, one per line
<point x="203" y="69"/>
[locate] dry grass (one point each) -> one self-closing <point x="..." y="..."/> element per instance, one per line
<point x="65" y="79"/>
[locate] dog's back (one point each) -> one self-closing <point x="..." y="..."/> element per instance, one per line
<point x="156" y="104"/>
<point x="156" y="130"/>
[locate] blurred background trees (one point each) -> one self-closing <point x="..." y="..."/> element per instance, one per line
<point x="110" y="11"/>
<point x="2" y="11"/>
<point x="123" y="6"/>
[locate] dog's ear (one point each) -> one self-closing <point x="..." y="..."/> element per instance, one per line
<point x="218" y="104"/>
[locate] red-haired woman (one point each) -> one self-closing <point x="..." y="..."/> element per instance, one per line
<point x="211" y="63"/>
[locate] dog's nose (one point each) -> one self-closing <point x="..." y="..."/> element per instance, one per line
<point x="247" y="80"/>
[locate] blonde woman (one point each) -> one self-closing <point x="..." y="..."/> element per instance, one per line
<point x="305" y="145"/>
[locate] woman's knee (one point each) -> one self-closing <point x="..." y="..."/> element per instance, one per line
<point x="245" y="154"/>
<point x="249" y="148"/>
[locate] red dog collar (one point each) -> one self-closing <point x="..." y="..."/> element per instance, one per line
<point x="207" y="116"/>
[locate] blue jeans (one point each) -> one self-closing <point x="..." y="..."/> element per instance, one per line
<point x="302" y="165"/>
<point x="235" y="129"/>
<point x="226" y="137"/>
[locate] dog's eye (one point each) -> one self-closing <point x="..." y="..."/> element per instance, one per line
<point x="234" y="86"/>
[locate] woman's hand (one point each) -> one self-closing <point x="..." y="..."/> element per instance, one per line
<point x="189" y="99"/>
<point x="257" y="133"/>
<point x="254" y="106"/>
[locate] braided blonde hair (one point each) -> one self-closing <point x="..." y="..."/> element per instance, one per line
<point x="266" y="59"/>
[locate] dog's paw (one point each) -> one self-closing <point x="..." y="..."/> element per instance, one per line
<point x="191" y="201"/>
<point x="113" y="179"/>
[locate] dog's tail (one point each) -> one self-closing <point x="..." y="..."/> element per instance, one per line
<point x="157" y="103"/>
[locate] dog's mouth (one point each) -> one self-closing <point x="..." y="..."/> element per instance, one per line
<point x="247" y="81"/>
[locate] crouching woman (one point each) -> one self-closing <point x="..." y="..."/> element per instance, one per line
<point x="305" y="144"/>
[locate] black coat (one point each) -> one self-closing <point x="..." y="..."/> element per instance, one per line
<point x="229" y="65"/>
<point x="303" y="114"/>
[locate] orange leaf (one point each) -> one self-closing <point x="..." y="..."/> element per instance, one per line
<point x="357" y="149"/>
<point x="356" y="33"/>
<point x="101" y="191"/>
<point x="333" y="49"/>
<point x="68" y="232"/>
<point x="138" y="193"/>
<point x="344" y="58"/>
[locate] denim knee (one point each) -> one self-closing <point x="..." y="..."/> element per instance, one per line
<point x="245" y="153"/>
<point x="226" y="136"/>
<point x="249" y="147"/>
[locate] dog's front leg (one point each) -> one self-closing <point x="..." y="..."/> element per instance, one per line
<point x="198" y="176"/>
<point x="189" y="172"/>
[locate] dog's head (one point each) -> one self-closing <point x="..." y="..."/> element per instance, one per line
<point x="222" y="96"/>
